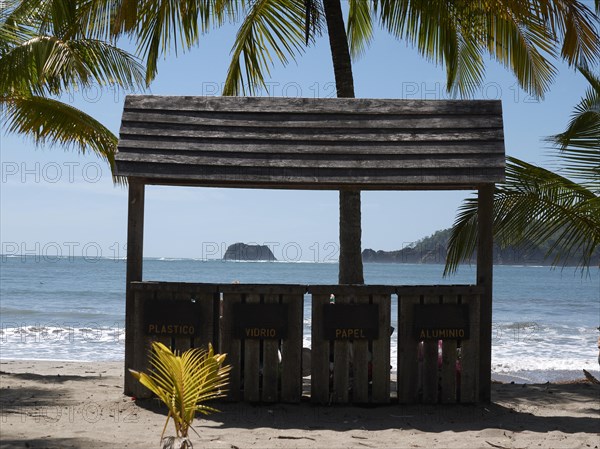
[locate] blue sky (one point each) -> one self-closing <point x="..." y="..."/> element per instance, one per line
<point x="54" y="201"/>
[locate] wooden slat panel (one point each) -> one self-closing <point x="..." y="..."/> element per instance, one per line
<point x="430" y="363"/>
<point x="360" y="364"/>
<point x="270" y="366"/>
<point x="231" y="346"/>
<point x="312" y="106"/>
<point x="306" y="178"/>
<point x="291" y="349"/>
<point x="439" y="290"/>
<point x="341" y="362"/>
<point x="265" y="289"/>
<point x="182" y="343"/>
<point x="302" y="134"/>
<point x="319" y="384"/>
<point x="469" y="378"/>
<point x="408" y="382"/>
<point x="309" y="121"/>
<point x="132" y="143"/>
<point x="381" y="351"/>
<point x="351" y="290"/>
<point x="448" y="374"/>
<point x="252" y="363"/>
<point x="206" y="334"/>
<point x="349" y="162"/>
<point x="164" y="339"/>
<point x="141" y="344"/>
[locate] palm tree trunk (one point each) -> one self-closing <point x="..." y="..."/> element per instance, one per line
<point x="351" y="267"/>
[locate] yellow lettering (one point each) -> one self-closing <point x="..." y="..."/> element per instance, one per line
<point x="255" y="332"/>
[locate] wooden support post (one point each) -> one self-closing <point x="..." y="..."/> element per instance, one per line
<point x="135" y="253"/>
<point x="485" y="261"/>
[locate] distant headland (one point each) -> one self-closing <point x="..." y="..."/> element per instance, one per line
<point x="433" y="249"/>
<point x="242" y="251"/>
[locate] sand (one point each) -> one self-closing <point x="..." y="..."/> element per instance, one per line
<point x="81" y="405"/>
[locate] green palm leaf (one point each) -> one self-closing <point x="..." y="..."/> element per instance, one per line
<point x="47" y="64"/>
<point x="43" y="53"/>
<point x="579" y="145"/>
<point x="159" y="26"/>
<point x="360" y="26"/>
<point x="457" y="33"/>
<point x="271" y="29"/>
<point x="533" y="205"/>
<point x="50" y="121"/>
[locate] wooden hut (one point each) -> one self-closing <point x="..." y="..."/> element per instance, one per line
<point x="333" y="144"/>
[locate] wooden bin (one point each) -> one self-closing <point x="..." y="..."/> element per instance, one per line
<point x="265" y="368"/>
<point x="344" y="368"/>
<point x="437" y="370"/>
<point x="204" y="297"/>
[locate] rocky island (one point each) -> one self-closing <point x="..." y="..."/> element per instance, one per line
<point x="242" y="251"/>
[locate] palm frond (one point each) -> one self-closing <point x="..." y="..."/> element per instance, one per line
<point x="360" y="26"/>
<point x="519" y="38"/>
<point x="577" y="27"/>
<point x="533" y="205"/>
<point x="463" y="239"/>
<point x="44" y="52"/>
<point x="48" y="121"/>
<point x="47" y="64"/>
<point x="161" y="26"/>
<point x="579" y="144"/>
<point x="524" y="36"/>
<point x="452" y="34"/>
<point x="272" y="29"/>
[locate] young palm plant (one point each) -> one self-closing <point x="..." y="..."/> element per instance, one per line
<point x="183" y="382"/>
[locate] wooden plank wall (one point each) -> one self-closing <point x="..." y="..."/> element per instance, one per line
<point x="257" y="373"/>
<point x="342" y="371"/>
<point x="311" y="143"/>
<point x="355" y="371"/>
<point x="437" y="371"/>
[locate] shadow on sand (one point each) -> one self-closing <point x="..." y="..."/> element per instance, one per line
<point x="508" y="411"/>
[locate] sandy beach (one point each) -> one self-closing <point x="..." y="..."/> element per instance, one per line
<point x="81" y="405"/>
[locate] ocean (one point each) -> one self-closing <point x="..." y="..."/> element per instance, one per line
<point x="72" y="308"/>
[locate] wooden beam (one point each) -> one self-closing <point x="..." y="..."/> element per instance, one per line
<point x="135" y="252"/>
<point x="485" y="261"/>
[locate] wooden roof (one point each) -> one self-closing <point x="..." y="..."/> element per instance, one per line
<point x="305" y="143"/>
